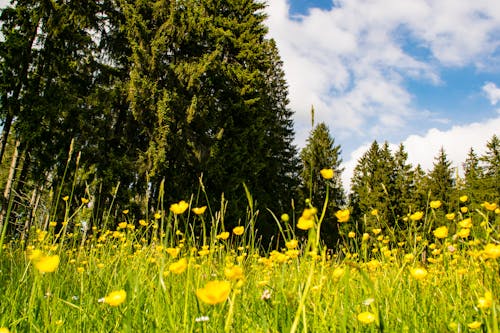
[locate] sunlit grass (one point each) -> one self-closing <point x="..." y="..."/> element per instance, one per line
<point x="438" y="274"/>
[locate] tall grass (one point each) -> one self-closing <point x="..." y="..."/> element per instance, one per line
<point x="415" y="280"/>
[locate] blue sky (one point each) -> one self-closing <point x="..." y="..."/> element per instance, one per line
<point x="422" y="73"/>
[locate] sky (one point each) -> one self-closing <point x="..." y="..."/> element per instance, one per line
<point x="425" y="73"/>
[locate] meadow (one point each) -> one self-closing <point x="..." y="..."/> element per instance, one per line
<point x="157" y="274"/>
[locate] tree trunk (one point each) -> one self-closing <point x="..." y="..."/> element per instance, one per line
<point x="10" y="181"/>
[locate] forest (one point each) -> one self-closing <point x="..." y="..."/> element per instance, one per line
<point x="108" y="99"/>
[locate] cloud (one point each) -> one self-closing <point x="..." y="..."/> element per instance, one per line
<point x="354" y="61"/>
<point x="492" y="92"/>
<point x="422" y="149"/>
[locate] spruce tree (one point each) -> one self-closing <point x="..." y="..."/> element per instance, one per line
<point x="491" y="166"/>
<point x="321" y="152"/>
<point x="441" y="181"/>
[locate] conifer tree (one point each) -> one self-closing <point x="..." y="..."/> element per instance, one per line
<point x="491" y="166"/>
<point x="473" y="175"/>
<point x="319" y="153"/>
<point x="440" y="180"/>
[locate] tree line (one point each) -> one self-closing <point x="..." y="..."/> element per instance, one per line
<point x="110" y="99"/>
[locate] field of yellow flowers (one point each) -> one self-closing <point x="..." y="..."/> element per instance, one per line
<point x="154" y="274"/>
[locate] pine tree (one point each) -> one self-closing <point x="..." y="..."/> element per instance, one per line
<point x="473" y="175"/>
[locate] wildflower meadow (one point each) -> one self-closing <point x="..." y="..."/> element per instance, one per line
<point x="440" y="273"/>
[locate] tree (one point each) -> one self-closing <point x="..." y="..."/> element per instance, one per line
<point x="319" y="153"/>
<point x="473" y="175"/>
<point x="373" y="186"/>
<point x="441" y="181"/>
<point x="491" y="166"/>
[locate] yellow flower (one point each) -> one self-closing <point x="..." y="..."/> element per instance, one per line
<point x="238" y="230"/>
<point x="214" y="292"/>
<point x="490" y="206"/>
<point x="464" y="210"/>
<point x="143" y="223"/>
<point x="342" y="215"/>
<point x="464" y="198"/>
<point x="223" y="235"/>
<point x="66" y="198"/>
<point x="122" y="225"/>
<point x="199" y="210"/>
<point x="114" y="298"/>
<point x="234" y="273"/>
<point x="351" y="234"/>
<point x="441" y="232"/>
<point x="365" y="237"/>
<point x="84" y="200"/>
<point x="178" y="267"/>
<point x="486" y="301"/>
<point x="492" y="251"/>
<point x="338" y="272"/>
<point x="463" y="233"/>
<point x="292" y="244"/>
<point x="174" y="252"/>
<point x="450" y="216"/>
<point x="305" y="223"/>
<point x="418" y="273"/>
<point x="474" y="325"/>
<point x="125" y="212"/>
<point x="285" y="217"/>
<point x="416" y="216"/>
<point x="157" y="216"/>
<point x="179" y="208"/>
<point x="467" y="223"/>
<point x="497" y="211"/>
<point x="376" y="231"/>
<point x="4" y="330"/>
<point x="366" y="317"/>
<point x="435" y="204"/>
<point x="327" y="173"/>
<point x="47" y="264"/>
<point x="374" y="212"/>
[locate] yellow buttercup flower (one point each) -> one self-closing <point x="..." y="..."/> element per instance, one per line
<point x="114" y="298"/>
<point x="351" y="234"/>
<point x="466" y="223"/>
<point x="238" y="230"/>
<point x="490" y="206"/>
<point x="450" y="216"/>
<point x="435" y="204"/>
<point x="463" y="198"/>
<point x="327" y="173"/>
<point x="4" y="330"/>
<point x="474" y="325"/>
<point x="464" y="210"/>
<point x="374" y="212"/>
<point x="338" y="272"/>
<point x="418" y="273"/>
<point x="178" y="267"/>
<point x="376" y="231"/>
<point x="292" y="244"/>
<point x="342" y="215"/>
<point x="486" y="301"/>
<point x="366" y="317"/>
<point x="441" y="232"/>
<point x="234" y="273"/>
<point x="463" y="233"/>
<point x="84" y="200"/>
<point x="305" y="223"/>
<point x="285" y="217"/>
<point x="214" y="292"/>
<point x="223" y="235"/>
<point x="199" y="210"/>
<point x="143" y="223"/>
<point x="416" y="216"/>
<point x="122" y="225"/>
<point x="492" y="251"/>
<point x="47" y="264"/>
<point x="179" y="208"/>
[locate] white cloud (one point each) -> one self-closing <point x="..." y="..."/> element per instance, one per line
<point x="422" y="149"/>
<point x="353" y="62"/>
<point x="492" y="92"/>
